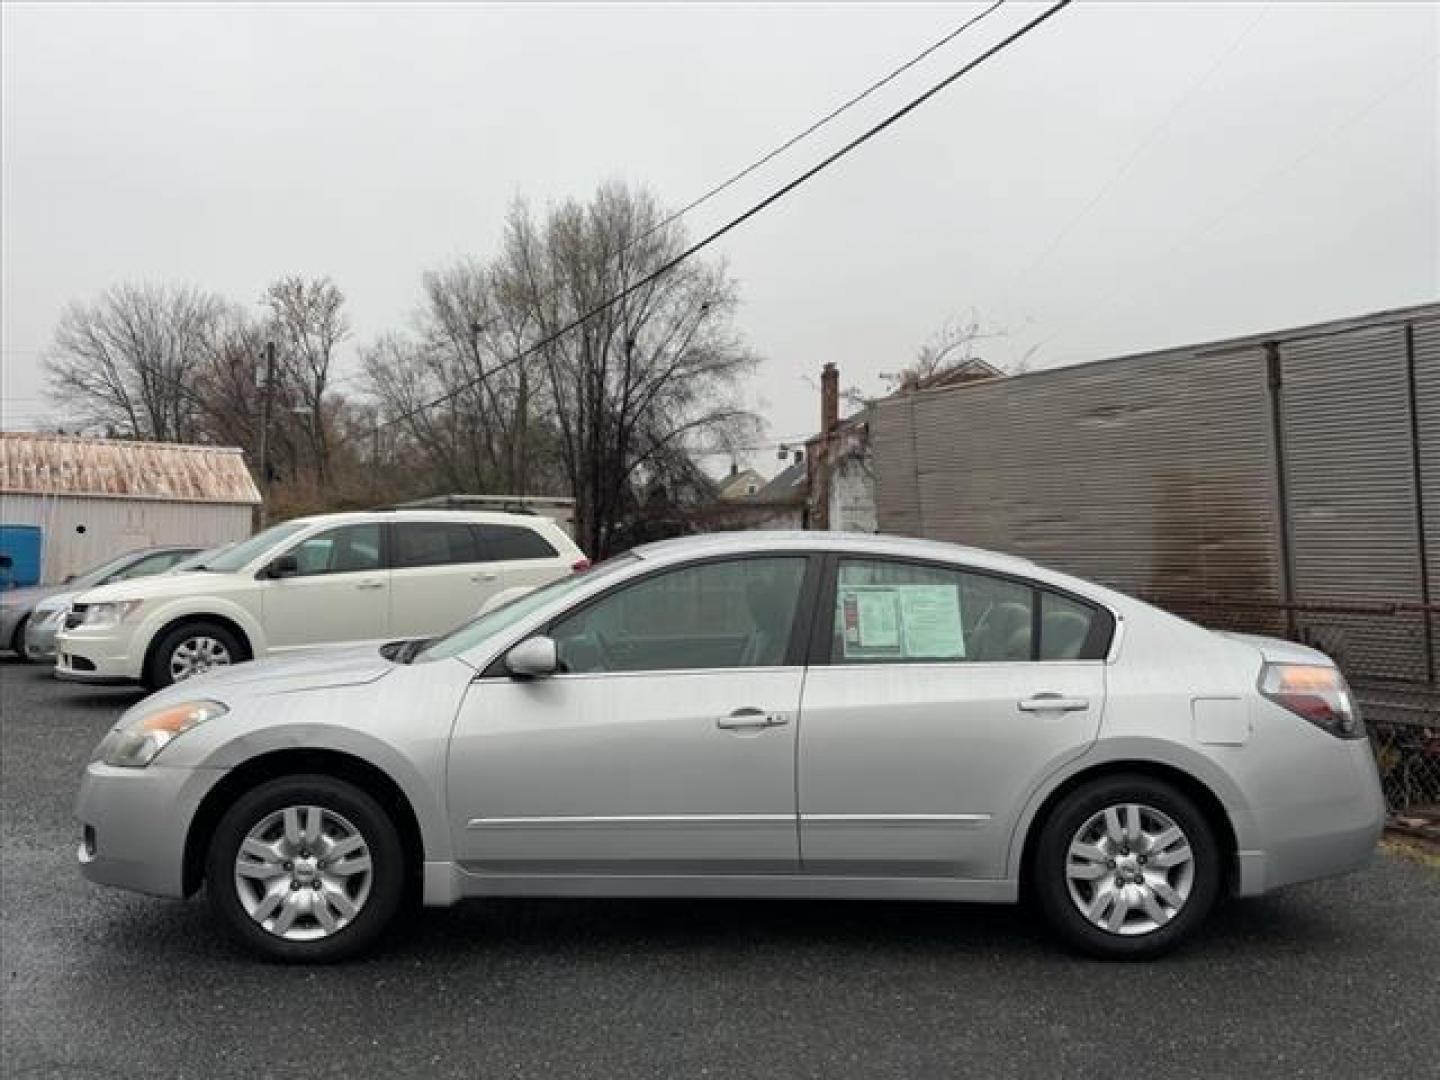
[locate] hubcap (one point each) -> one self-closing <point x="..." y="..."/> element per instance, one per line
<point x="303" y="873"/>
<point x="197" y="654"/>
<point x="1130" y="869"/>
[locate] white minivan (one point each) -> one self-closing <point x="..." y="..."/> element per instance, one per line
<point x="333" y="579"/>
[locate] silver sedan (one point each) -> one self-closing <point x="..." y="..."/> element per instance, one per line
<point x="776" y="715"/>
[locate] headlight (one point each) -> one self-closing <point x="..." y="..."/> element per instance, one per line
<point x="111" y="614"/>
<point x="1317" y="693"/>
<point x="135" y="745"/>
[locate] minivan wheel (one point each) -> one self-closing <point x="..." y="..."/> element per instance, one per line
<point x="1126" y="867"/>
<point x="305" y="869"/>
<point x="190" y="649"/>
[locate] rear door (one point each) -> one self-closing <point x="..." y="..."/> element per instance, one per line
<point x="937" y="700"/>
<point x="521" y="556"/>
<point x="439" y="577"/>
<point x="340" y="594"/>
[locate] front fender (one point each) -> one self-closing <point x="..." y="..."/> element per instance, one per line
<point x="195" y="608"/>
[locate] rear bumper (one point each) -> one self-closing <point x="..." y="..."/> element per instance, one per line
<point x="1335" y="834"/>
<point x="133" y="825"/>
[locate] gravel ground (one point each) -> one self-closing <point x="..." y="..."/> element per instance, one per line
<point x="1335" y="979"/>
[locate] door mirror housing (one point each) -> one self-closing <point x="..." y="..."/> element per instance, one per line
<point x="282" y="566"/>
<point x="533" y="658"/>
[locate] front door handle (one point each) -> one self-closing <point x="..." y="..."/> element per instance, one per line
<point x="1051" y="702"/>
<point x="750" y="719"/>
<point x="488" y="576"/>
<point x="370" y="585"/>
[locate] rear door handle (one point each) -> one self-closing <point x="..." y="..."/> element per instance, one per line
<point x="1049" y="702"/>
<point x="370" y="585"/>
<point x="750" y="719"/>
<point x="490" y="576"/>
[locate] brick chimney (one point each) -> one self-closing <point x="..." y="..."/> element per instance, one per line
<point x="829" y="398"/>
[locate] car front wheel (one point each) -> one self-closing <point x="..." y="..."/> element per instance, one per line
<point x="306" y="869"/>
<point x="1127" y="867"/>
<point x="190" y="649"/>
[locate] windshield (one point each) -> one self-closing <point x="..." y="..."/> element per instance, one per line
<point x="245" y="552"/>
<point x="99" y="573"/>
<point x="472" y="633"/>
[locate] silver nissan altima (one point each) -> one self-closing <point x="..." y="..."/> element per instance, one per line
<point x="757" y="714"/>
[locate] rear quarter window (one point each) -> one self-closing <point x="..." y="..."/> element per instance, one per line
<point x="502" y="543"/>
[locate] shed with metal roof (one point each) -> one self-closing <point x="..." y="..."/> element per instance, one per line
<point x="97" y="498"/>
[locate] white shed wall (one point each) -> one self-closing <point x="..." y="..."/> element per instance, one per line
<point x="115" y="525"/>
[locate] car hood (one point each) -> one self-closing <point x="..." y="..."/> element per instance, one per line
<point x="27" y="597"/>
<point x="311" y="669"/>
<point x="162" y="586"/>
<point x="50" y="601"/>
<point x="1279" y="651"/>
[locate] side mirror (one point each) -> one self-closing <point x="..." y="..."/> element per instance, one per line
<point x="283" y="566"/>
<point x="68" y="578"/>
<point x="533" y="658"/>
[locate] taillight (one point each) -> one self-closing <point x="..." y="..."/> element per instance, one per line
<point x="1318" y="693"/>
<point x="580" y="567"/>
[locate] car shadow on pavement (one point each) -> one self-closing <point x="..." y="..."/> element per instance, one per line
<point x="744" y="931"/>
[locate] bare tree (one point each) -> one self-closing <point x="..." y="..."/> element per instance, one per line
<point x="308" y="321"/>
<point x="126" y="361"/>
<point x="950" y="348"/>
<point x="643" y="380"/>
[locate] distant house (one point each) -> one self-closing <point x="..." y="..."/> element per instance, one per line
<point x="781" y="504"/>
<point x="740" y="484"/>
<point x="96" y="498"/>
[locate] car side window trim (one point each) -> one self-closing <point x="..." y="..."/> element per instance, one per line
<point x="795" y="649"/>
<point x="1098" y="642"/>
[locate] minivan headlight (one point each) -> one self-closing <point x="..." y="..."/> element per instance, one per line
<point x="135" y="745"/>
<point x="108" y="614"/>
<point x="1316" y="692"/>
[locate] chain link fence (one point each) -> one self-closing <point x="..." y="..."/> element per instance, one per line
<point x="1388" y="653"/>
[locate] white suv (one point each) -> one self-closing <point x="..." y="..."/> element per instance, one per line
<point x="336" y="579"/>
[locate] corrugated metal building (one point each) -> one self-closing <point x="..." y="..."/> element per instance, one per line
<point x="96" y="498"/>
<point x="1245" y="482"/>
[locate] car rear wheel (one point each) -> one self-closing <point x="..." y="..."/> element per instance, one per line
<point x="190" y="649"/>
<point x="306" y="869"/>
<point x="1126" y="868"/>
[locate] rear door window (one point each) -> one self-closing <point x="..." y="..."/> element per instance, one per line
<point x="434" y="543"/>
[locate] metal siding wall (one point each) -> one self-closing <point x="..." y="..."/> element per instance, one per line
<point x="1152" y="474"/>
<point x="892" y="440"/>
<point x="1427" y="396"/>
<point x="113" y="526"/>
<point x="1350" y="475"/>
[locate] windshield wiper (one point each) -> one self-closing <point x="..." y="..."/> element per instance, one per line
<point x="403" y="652"/>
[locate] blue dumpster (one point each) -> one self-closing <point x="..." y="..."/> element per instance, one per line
<point x="21" y="552"/>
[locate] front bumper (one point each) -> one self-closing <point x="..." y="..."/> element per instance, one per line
<point x="134" y="823"/>
<point x="95" y="659"/>
<point x="40" y="634"/>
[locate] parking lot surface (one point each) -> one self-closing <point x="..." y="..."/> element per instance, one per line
<point x="1333" y="979"/>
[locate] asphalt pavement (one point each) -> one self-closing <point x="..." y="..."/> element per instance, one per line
<point x="1333" y="979"/>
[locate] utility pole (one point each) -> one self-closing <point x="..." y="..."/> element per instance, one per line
<point x="264" y="454"/>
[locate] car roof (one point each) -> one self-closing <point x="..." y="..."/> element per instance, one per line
<point x="854" y="543"/>
<point x="482" y="517"/>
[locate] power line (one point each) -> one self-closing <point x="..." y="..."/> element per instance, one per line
<point x="1106" y="303"/>
<point x="1145" y="143"/>
<point x="736" y="222"/>
<point x="816" y="126"/>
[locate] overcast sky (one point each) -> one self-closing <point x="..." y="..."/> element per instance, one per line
<point x="1130" y="176"/>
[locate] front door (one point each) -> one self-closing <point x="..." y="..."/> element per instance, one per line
<point x="937" y="714"/>
<point x="665" y="745"/>
<point x="340" y="595"/>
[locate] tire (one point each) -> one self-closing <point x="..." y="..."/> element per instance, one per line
<point x="375" y="894"/>
<point x="1143" y="879"/>
<point x="208" y="636"/>
<point x="17" y="639"/>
